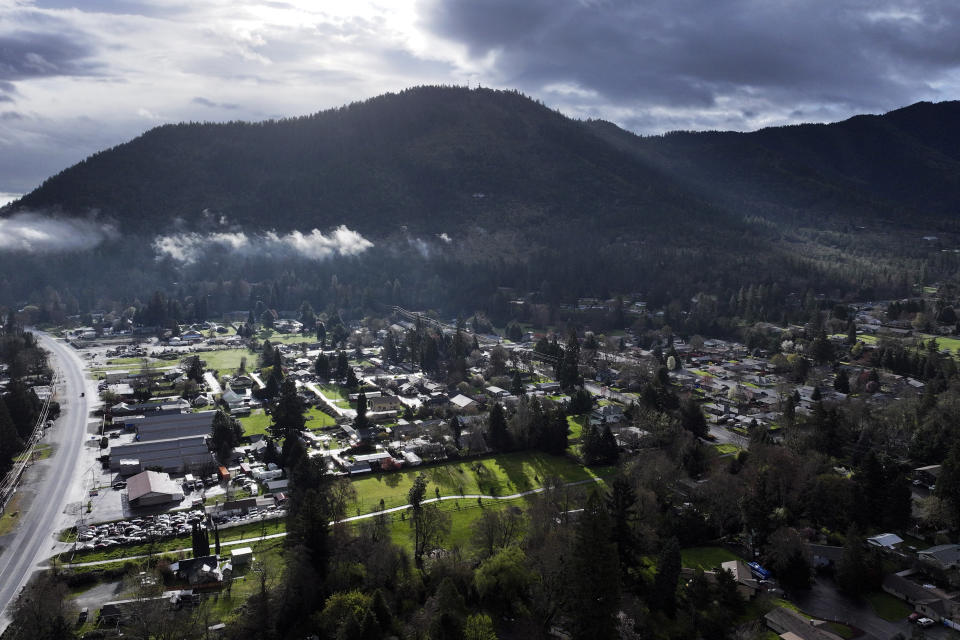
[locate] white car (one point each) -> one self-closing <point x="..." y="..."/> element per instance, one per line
<point x="925" y="622"/>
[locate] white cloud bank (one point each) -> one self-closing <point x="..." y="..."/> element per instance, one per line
<point x="315" y="245"/>
<point x="36" y="233"/>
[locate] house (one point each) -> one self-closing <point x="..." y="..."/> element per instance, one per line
<point x="790" y="625"/>
<point x="887" y="541"/>
<point x="825" y="556"/>
<point x="747" y="585"/>
<point x="384" y="403"/>
<point x="198" y="571"/>
<point x="274" y="486"/>
<point x="152" y="488"/>
<point x="943" y="557"/>
<point x="927" y="475"/>
<point x="497" y="392"/>
<point x="461" y="402"/>
<point x="607" y="414"/>
<point x="925" y="598"/>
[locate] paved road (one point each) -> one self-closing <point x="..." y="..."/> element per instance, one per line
<point x="825" y="601"/>
<point x="34" y="536"/>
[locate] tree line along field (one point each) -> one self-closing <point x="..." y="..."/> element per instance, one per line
<point x="497" y="475"/>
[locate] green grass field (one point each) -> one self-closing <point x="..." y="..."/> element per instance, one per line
<point x="726" y="448"/>
<point x="284" y="338"/>
<point x="887" y="607"/>
<point x="463" y="514"/>
<point x="337" y="394"/>
<point x="255" y="423"/>
<point x="705" y="558"/>
<point x="944" y="342"/>
<point x="498" y="475"/>
<point x="317" y="419"/>
<point x="259" y="422"/>
<point x="228" y="360"/>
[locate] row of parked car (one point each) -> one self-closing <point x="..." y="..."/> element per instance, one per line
<point x="137" y="530"/>
<point x="254" y="513"/>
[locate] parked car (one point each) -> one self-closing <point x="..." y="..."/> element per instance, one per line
<point x="925" y="622"/>
<point x="83" y="615"/>
<point x="120" y="484"/>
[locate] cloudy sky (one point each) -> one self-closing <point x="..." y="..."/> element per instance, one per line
<point x="76" y="77"/>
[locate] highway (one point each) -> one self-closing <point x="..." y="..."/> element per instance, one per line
<point x="35" y="535"/>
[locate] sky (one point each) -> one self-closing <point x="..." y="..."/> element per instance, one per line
<point x="78" y="77"/>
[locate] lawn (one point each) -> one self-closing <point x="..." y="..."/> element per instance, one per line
<point x="841" y="630"/>
<point x="726" y="448"/>
<point x="887" y="607"/>
<point x="317" y="419"/>
<point x="337" y="394"/>
<point x="943" y="342"/>
<point x="575" y="426"/>
<point x="705" y="558"/>
<point x="463" y="514"/>
<point x="497" y="475"/>
<point x="256" y="422"/>
<point x="284" y="338"/>
<point x="228" y="360"/>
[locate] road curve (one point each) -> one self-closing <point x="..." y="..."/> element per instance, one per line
<point x="38" y="525"/>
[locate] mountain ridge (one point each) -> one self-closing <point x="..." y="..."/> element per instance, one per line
<point x="422" y="157"/>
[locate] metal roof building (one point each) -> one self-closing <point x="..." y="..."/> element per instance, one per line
<point x="174" y="455"/>
<point x="150" y="488"/>
<point x="172" y="425"/>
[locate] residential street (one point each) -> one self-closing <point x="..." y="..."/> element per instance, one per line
<point x="825" y="601"/>
<point x="33" y="540"/>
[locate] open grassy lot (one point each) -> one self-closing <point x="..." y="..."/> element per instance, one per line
<point x="944" y="342"/>
<point x="228" y="360"/>
<point x="284" y="338"/>
<point x="463" y="514"/>
<point x="887" y="607"/>
<point x="705" y="558"/>
<point x="498" y="475"/>
<point x="259" y="422"/>
<point x="575" y="426"/>
<point x="256" y="422"/>
<point x="337" y="394"/>
<point x="317" y="419"/>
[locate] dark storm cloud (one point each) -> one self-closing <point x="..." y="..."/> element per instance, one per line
<point x="696" y="55"/>
<point x="36" y="54"/>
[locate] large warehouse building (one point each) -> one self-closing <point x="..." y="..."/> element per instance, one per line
<point x="174" y="455"/>
<point x="152" y="488"/>
<point x="167" y="426"/>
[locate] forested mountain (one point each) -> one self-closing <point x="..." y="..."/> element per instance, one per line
<point x="423" y="157"/>
<point x="434" y="159"/>
<point x="462" y="191"/>
<point x="868" y="168"/>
